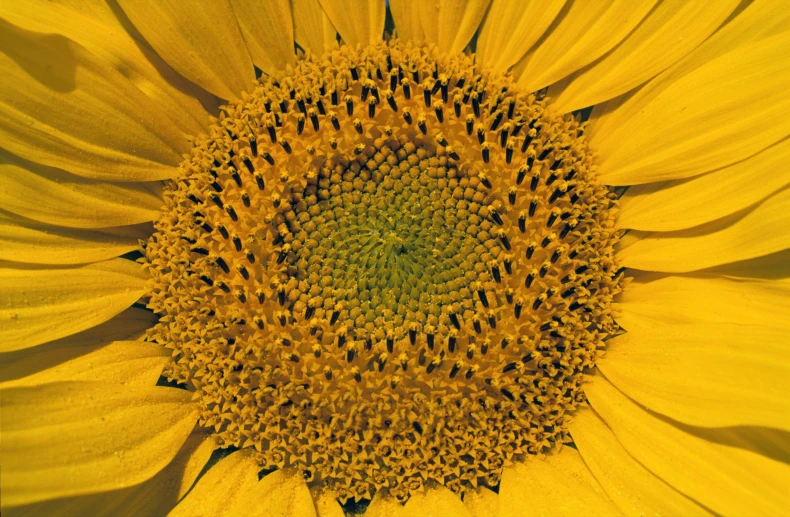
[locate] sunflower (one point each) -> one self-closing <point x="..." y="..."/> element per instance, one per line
<point x="461" y="258"/>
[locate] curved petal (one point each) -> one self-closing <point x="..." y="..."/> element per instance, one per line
<point x="62" y="106"/>
<point x="22" y="240"/>
<point x="326" y="504"/>
<point x="359" y="22"/>
<point x="40" y="305"/>
<point x="383" y="505"/>
<point x="683" y="300"/>
<point x="436" y="502"/>
<point x="406" y="15"/>
<point x="707" y="119"/>
<point x="775" y="266"/>
<point x="680" y="204"/>
<point x="559" y="485"/>
<point x="56" y="197"/>
<point x="579" y="36"/>
<point x="511" y="28"/>
<point x="312" y="28"/>
<point x="673" y="29"/>
<point x="633" y="488"/>
<point x="204" y="44"/>
<point x="156" y="496"/>
<point x="97" y="27"/>
<point x="133" y="363"/>
<point x="773" y="443"/>
<point x="450" y="24"/>
<point x="482" y="502"/>
<point x="268" y="30"/>
<point x="278" y="494"/>
<point x="709" y="375"/>
<point x="70" y="438"/>
<point x="233" y="476"/>
<point x="759" y="231"/>
<point x="727" y="480"/>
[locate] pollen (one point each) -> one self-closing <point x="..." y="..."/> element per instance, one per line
<point x="386" y="267"/>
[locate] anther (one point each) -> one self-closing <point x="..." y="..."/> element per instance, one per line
<point x="222" y="265"/>
<point x="485" y="152"/>
<point x="522" y="173"/>
<point x="236" y="242"/>
<point x="216" y="199"/>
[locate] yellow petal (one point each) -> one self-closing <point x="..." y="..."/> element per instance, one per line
<point x="450" y="24"/>
<point x="384" y="505"/>
<point x="40" y="305"/>
<point x="634" y="490"/>
<point x="559" y="485"/>
<point x="231" y="477"/>
<point x="23" y="240"/>
<point x="678" y="300"/>
<point x="268" y="30"/>
<point x="312" y="28"/>
<point x="774" y="266"/>
<point x="727" y="480"/>
<point x="96" y="27"/>
<point x="406" y="15"/>
<point x="134" y="363"/>
<point x="759" y="231"/>
<point x="359" y="22"/>
<point x="586" y="31"/>
<point x="56" y="197"/>
<point x="759" y="20"/>
<point x="204" y="44"/>
<point x="680" y="204"/>
<point x="773" y="443"/>
<point x="710" y="375"/>
<point x="156" y="496"/>
<point x="129" y="325"/>
<point x="327" y="505"/>
<point x="482" y="502"/>
<point x="511" y="28"/>
<point x="278" y="494"/>
<point x="71" y="438"/>
<point x="673" y="29"/>
<point x="64" y="107"/>
<point x="707" y="119"/>
<point x="436" y="502"/>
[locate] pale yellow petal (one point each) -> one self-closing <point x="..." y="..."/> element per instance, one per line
<point x="359" y="22"/>
<point x="651" y="306"/>
<point x="578" y="37"/>
<point x="634" y="490"/>
<point x="670" y="31"/>
<point x="23" y="240"/>
<point x="679" y="204"/>
<point x="204" y="44"/>
<point x="710" y="375"/>
<point x="70" y="438"/>
<point x="559" y="485"/>
<point x="96" y="26"/>
<point x="268" y="30"/>
<point x="406" y="15"/>
<point x="279" y="494"/>
<point x="436" y="501"/>
<point x="511" y="28"/>
<point x="707" y="119"/>
<point x="56" y="197"/>
<point x="154" y="497"/>
<point x="752" y="233"/>
<point x="312" y="28"/>
<point x="133" y="363"/>
<point x="384" y="505"/>
<point x="62" y="106"/>
<point x="40" y="305"/>
<point x="726" y="480"/>
<point x="482" y="502"/>
<point x="232" y="476"/>
<point x="326" y="504"/>
<point x="450" y="24"/>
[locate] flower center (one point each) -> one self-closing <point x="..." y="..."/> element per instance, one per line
<point x="385" y="267"/>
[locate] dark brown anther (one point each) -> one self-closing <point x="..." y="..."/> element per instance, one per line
<point x="530" y="251"/>
<point x="317" y="352"/>
<point x="253" y="146"/>
<point x="476" y="325"/>
<point x="222" y="285"/>
<point x="504" y="240"/>
<point x="533" y="205"/>
<point x="528" y="281"/>
<point x="511" y="197"/>
<point x="259" y="181"/>
<point x="507" y="394"/>
<point x="250" y="257"/>
<point x="556" y="164"/>
<point x="272" y="134"/>
<point x="349" y="106"/>
<point x="451" y="342"/>
<point x="407" y="117"/>
<point x="390" y="344"/>
<point x="286" y="146"/>
<point x="570" y="175"/>
<point x="335" y="122"/>
<point x="537" y="303"/>
<point x="481" y="135"/>
<point x="216" y="199"/>
<point x="428" y="369"/>
<point x="281" y="256"/>
<point x="581" y="269"/>
<point x="358" y="376"/>
<point x="469" y="373"/>
<point x="364" y="94"/>
<point x="206" y="227"/>
<point x="223" y="231"/>
<point x="407" y="91"/>
<point x="565" y="230"/>
<point x="334" y="98"/>
<point x="368" y="344"/>
<point x="543" y="270"/>
<point x="358" y="127"/>
<point x="470" y="124"/>
<point x="574" y="306"/>
<point x="413" y="336"/>
<point x="439" y="113"/>
<point x="508" y="265"/>
<point x="455" y="320"/>
<point x="426" y="93"/>
<point x="505" y="342"/>
<point x="231" y="212"/>
<point x="258" y="322"/>
<point x="392" y="103"/>
<point x="486" y="154"/>
<point x="555" y="256"/>
<point x="301" y="105"/>
<point x="334" y="318"/>
<point x="457" y="107"/>
<point x="533" y="184"/>
<point x="200" y="251"/>
<point x="509" y="367"/>
<point x="328" y="374"/>
<point x="236" y="178"/>
<point x="496" y="122"/>
<point x="470" y="353"/>
<point x="309" y="312"/>
<point x="380" y="363"/>
<point x="371" y="109"/>
<point x="530" y="161"/>
<point x="281" y="296"/>
<point x="299" y="124"/>
<point x="223" y="265"/>
<point x="568" y="292"/>
<point x="484" y="347"/>
<point x="476" y="105"/>
<point x="354" y="73"/>
<point x="194" y="199"/>
<point x="509" y="153"/>
<point x="522" y="173"/>
<point x="268" y="158"/>
<point x="550" y="221"/>
<point x="430" y="339"/>
<point x="245" y="198"/>
<point x="495" y="273"/>
<point x="320" y="105"/>
<point x="236" y="242"/>
<point x="511" y="108"/>
<point x="525" y="143"/>
<point x="314" y="121"/>
<point x="517" y="310"/>
<point x="483" y="298"/>
<point x="423" y="127"/>
<point x="350" y="355"/>
<point x="551" y="179"/>
<point x="545" y="153"/>
<point x="454" y="155"/>
<point x="546" y="241"/>
<point x="454" y="370"/>
<point x="491" y="321"/>
<point x="260" y="295"/>
<point x="241" y="296"/>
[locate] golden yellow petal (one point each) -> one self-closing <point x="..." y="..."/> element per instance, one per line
<point x="282" y="493"/>
<point x="40" y="305"/>
<point x="436" y="501"/>
<point x="384" y="505"/>
<point x="268" y="30"/>
<point x="634" y="490"/>
<point x="312" y="28"/>
<point x="359" y="22"/>
<point x="752" y="233"/>
<point x="726" y="480"/>
<point x="406" y="15"/>
<point x="774" y="266"/>
<point x="326" y="504"/>
<point x="65" y="107"/>
<point x="559" y="485"/>
<point x="450" y="24"/>
<point x="580" y="35"/>
<point x="482" y="502"/>
<point x="70" y="438"/>
<point x="203" y="43"/>
<point x="231" y="477"/>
